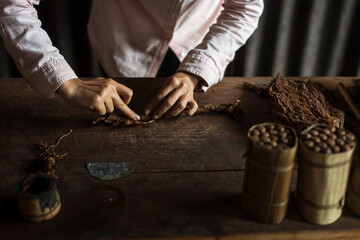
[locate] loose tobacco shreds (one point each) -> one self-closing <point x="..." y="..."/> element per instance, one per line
<point x="48" y="157"/>
<point x="231" y="109"/>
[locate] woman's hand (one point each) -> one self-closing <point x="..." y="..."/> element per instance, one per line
<point x="176" y="94"/>
<point x="99" y="94"/>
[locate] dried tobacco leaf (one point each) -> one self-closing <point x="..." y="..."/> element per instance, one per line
<point x="300" y="105"/>
<point x="114" y="119"/>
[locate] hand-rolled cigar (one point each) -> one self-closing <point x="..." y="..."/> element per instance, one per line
<point x="329" y="139"/>
<point x="231" y="109"/>
<point x="281" y="138"/>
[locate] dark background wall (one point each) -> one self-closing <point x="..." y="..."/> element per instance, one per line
<point x="295" y="37"/>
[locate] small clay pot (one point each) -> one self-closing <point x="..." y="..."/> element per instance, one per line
<point x="38" y="198"/>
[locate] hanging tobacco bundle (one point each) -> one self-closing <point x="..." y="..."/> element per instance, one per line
<point x="114" y="119"/>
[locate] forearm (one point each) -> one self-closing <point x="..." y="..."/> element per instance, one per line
<point x="31" y="48"/>
<point x="234" y="26"/>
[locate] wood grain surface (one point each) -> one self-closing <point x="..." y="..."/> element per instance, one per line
<point x="188" y="180"/>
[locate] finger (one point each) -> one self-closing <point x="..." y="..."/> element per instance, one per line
<point x="168" y="103"/>
<point x="193" y="106"/>
<point x="98" y="108"/>
<point x="109" y="105"/>
<point x="119" y="104"/>
<point x="162" y="94"/>
<point x="180" y="106"/>
<point x="125" y="92"/>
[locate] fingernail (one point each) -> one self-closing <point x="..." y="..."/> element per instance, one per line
<point x="146" y="111"/>
<point x="155" y="117"/>
<point x="137" y="117"/>
<point x="182" y="114"/>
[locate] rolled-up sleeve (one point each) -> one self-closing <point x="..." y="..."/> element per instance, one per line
<point x="235" y="24"/>
<point x="31" y="48"/>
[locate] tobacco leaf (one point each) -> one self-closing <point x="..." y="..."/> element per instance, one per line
<point x="48" y="158"/>
<point x="114" y="119"/>
<point x="300" y="104"/>
<point x="258" y="90"/>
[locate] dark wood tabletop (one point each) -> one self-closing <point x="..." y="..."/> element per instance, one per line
<point x="189" y="174"/>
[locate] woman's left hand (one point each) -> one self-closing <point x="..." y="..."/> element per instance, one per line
<point x="175" y="95"/>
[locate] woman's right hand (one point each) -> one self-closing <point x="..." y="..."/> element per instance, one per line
<point x="98" y="94"/>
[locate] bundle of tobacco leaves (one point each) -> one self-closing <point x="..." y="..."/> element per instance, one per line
<point x="299" y="103"/>
<point x="114" y="119"/>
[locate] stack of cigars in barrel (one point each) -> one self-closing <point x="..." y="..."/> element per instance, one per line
<point x="324" y="155"/>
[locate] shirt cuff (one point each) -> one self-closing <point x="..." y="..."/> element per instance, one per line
<point x="203" y="66"/>
<point x="50" y="76"/>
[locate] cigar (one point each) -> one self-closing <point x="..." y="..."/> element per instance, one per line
<point x="349" y="100"/>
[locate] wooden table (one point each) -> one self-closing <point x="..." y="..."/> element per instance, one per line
<point x="188" y="179"/>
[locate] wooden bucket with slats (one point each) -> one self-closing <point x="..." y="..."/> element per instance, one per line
<point x="322" y="183"/>
<point x="267" y="181"/>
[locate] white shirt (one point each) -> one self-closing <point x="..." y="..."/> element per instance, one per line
<point x="130" y="38"/>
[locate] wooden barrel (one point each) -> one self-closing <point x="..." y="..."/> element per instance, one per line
<point x="353" y="197"/>
<point x="267" y="179"/>
<point x="322" y="182"/>
<point x="38" y="198"/>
